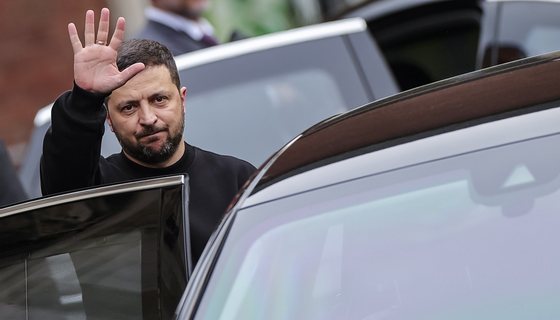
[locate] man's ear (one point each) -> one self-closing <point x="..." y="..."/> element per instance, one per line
<point x="110" y="122"/>
<point x="183" y="93"/>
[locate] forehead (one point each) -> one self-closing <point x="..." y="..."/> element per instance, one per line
<point x="147" y="82"/>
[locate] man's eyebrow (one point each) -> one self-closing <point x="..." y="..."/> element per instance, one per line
<point x="160" y="93"/>
<point x="126" y="102"/>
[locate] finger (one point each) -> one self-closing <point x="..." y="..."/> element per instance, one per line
<point x="89" y="33"/>
<point x="118" y="35"/>
<point x="103" y="31"/>
<point x="74" y="38"/>
<point x="131" y="71"/>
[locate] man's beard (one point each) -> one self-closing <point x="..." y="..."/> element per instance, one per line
<point x="146" y="154"/>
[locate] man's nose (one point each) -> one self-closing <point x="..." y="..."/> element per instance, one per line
<point x="147" y="116"/>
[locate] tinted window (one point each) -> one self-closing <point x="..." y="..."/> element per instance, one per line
<point x="522" y="35"/>
<point x="252" y="105"/>
<point x="118" y="256"/>
<point x="437" y="41"/>
<point x="466" y="237"/>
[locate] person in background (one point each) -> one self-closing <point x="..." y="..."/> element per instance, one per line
<point x="135" y="86"/>
<point x="11" y="190"/>
<point x="178" y="25"/>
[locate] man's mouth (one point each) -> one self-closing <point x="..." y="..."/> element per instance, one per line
<point x="150" y="136"/>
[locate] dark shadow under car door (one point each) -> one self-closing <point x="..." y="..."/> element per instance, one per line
<point x="113" y="252"/>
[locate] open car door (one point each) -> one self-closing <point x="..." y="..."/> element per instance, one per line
<point x="112" y="252"/>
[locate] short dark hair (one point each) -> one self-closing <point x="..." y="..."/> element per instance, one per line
<point x="150" y="53"/>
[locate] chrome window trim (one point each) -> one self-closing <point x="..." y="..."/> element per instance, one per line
<point x="92" y="193"/>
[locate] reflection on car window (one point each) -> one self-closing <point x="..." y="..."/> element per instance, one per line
<point x="532" y="34"/>
<point x="98" y="279"/>
<point x="275" y="109"/>
<point x="101" y="279"/>
<point x="463" y="237"/>
<point x="434" y="44"/>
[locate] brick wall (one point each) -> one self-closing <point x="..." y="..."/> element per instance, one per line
<point x="35" y="61"/>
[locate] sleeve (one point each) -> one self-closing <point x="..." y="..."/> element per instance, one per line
<point x="245" y="172"/>
<point x="72" y="144"/>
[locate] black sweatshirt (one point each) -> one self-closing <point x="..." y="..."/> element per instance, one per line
<point x="72" y="160"/>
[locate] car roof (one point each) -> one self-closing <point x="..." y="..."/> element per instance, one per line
<point x="442" y="106"/>
<point x="270" y="41"/>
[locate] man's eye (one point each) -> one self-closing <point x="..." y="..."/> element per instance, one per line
<point x="160" y="99"/>
<point x="127" y="108"/>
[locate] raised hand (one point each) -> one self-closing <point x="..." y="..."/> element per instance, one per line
<point x="95" y="61"/>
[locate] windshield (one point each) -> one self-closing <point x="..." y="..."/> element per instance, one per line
<point x="466" y="237"/>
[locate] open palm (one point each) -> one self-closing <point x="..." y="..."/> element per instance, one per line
<point x="95" y="61"/>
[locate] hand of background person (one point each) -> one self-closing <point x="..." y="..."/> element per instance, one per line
<point x="95" y="61"/>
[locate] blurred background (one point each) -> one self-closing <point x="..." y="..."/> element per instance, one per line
<point x="421" y="40"/>
<point x="36" y="60"/>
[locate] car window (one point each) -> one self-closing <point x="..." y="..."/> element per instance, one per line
<point x="115" y="252"/>
<point x="522" y="35"/>
<point x="437" y="41"/>
<point x="467" y="236"/>
<point x="251" y="105"/>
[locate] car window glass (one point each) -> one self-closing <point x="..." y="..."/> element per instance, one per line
<point x="463" y="237"/>
<point x="107" y="277"/>
<point x="434" y="44"/>
<point x="270" y="112"/>
<point x="117" y="256"/>
<point x="528" y="34"/>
